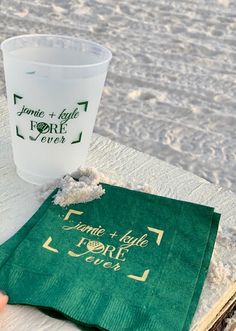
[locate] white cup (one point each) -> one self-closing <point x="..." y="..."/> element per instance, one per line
<point x="54" y="85"/>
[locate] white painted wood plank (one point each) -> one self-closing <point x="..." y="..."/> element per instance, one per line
<point x="18" y="201"/>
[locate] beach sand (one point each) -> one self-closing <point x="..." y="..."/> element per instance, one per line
<point x="171" y="87"/>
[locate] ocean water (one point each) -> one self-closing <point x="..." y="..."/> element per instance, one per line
<point x="171" y="88"/>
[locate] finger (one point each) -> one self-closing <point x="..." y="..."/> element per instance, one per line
<point x="3" y="300"/>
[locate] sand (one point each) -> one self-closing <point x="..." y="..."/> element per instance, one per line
<point x="171" y="89"/>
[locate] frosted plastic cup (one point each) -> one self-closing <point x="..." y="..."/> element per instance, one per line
<point x="54" y="85"/>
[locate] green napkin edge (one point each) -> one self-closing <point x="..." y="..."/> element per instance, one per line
<point x="203" y="271"/>
<point x="13" y="242"/>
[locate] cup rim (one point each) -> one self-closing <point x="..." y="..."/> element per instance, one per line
<point x="103" y="48"/>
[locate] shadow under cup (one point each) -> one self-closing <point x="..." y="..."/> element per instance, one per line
<point x="54" y="86"/>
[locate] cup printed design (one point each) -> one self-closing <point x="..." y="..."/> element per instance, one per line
<point x="49" y="128"/>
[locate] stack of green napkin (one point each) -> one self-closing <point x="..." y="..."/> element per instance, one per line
<point x="127" y="261"/>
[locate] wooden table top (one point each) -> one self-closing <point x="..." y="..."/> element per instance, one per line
<point x="18" y="201"/>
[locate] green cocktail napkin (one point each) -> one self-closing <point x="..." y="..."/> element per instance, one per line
<point x="128" y="261"/>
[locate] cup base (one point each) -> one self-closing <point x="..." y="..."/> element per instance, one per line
<point x="33" y="179"/>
